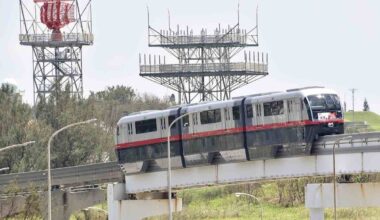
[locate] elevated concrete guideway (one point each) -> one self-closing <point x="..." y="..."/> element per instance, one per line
<point x="360" y="154"/>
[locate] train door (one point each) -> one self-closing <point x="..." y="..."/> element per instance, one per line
<point x="226" y="119"/>
<point x="163" y="126"/>
<point x="259" y="114"/>
<point x="185" y="125"/>
<point x="294" y="110"/>
<point x="193" y="123"/>
<point x="289" y="110"/>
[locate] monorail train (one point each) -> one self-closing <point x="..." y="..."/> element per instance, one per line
<point x="253" y="127"/>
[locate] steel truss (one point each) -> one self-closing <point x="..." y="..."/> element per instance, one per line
<point x="57" y="63"/>
<point x="205" y="70"/>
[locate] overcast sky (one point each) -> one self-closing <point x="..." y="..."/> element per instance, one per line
<point x="329" y="43"/>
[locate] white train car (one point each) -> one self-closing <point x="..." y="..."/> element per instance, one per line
<point x="246" y="128"/>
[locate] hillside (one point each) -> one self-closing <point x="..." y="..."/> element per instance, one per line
<point x="372" y="119"/>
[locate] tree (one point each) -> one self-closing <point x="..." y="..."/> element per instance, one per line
<point x="14" y="118"/>
<point x="365" y="105"/>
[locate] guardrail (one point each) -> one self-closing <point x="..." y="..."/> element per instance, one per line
<point x="355" y="140"/>
<point x="68" y="176"/>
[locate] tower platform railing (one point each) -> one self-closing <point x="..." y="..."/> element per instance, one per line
<point x="245" y="67"/>
<point x="167" y="39"/>
<point x="61" y="39"/>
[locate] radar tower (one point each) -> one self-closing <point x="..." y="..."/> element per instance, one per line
<point x="56" y="30"/>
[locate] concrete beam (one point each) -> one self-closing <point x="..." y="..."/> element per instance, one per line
<point x="120" y="207"/>
<point x="348" y="195"/>
<point x="63" y="203"/>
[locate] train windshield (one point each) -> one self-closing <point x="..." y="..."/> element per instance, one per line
<point x="323" y="105"/>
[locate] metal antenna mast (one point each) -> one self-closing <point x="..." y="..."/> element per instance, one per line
<point x="205" y="70"/>
<point x="56" y="30"/>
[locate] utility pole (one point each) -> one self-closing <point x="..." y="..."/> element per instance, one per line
<point x="353" y="104"/>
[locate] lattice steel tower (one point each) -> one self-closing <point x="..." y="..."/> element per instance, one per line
<point x="56" y="30"/>
<point x="205" y="70"/>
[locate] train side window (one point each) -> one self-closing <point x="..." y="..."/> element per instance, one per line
<point x="211" y="116"/>
<point x="217" y="116"/>
<point x="117" y="131"/>
<point x="236" y="112"/>
<point x="273" y="108"/>
<point x="146" y="126"/>
<point x="249" y="111"/>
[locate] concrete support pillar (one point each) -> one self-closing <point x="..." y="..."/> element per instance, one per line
<point x="348" y="195"/>
<point x="316" y="214"/>
<point x="65" y="203"/>
<point x="120" y="207"/>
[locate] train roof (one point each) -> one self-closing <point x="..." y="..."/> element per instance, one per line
<point x="150" y="114"/>
<point x="299" y="92"/>
<point x="211" y="105"/>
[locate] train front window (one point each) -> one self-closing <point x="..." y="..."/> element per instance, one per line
<point x="325" y="106"/>
<point x="324" y="102"/>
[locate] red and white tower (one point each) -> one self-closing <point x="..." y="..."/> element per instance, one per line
<point x="56" y="30"/>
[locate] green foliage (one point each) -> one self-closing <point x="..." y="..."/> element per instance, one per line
<point x="14" y="119"/>
<point x="371" y="118"/>
<point x="219" y="202"/>
<point x="83" y="144"/>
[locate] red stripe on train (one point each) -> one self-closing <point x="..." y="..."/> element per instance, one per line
<point x="225" y="132"/>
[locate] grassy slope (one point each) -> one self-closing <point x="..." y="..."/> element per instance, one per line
<point x="371" y="118"/>
<point x="213" y="203"/>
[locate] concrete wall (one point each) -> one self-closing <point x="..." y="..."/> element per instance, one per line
<point x="348" y="195"/>
<point x="63" y="203"/>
